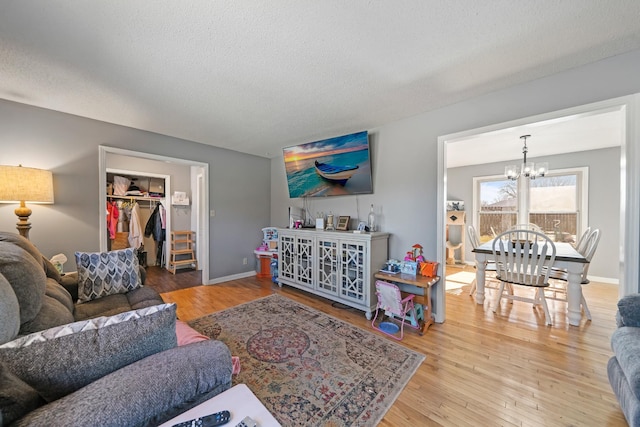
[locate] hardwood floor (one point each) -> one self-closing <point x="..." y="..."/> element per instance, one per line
<point x="481" y="369"/>
<point x="161" y="280"/>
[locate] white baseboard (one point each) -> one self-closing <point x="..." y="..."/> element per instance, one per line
<point x="232" y="277"/>
<point x="608" y="280"/>
<point x="598" y="279"/>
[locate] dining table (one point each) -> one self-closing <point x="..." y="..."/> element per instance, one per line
<point x="567" y="257"/>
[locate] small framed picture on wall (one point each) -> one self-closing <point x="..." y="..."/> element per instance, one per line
<point x="343" y="223"/>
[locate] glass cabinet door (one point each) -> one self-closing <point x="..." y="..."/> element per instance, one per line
<point x="304" y="265"/>
<point x="352" y="271"/>
<point x="286" y="267"/>
<point x="327" y="265"/>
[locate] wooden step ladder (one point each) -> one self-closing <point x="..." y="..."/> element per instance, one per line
<point x="182" y="250"/>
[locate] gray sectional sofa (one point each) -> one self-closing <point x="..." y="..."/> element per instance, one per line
<point x="624" y="367"/>
<point x="110" y="361"/>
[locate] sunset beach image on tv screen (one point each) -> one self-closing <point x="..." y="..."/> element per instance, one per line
<point x="330" y="167"/>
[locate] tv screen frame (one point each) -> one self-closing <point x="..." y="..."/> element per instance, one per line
<point x="338" y="166"/>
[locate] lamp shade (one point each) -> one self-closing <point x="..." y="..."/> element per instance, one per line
<point x="20" y="184"/>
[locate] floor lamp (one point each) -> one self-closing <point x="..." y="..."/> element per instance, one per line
<point x="19" y="185"/>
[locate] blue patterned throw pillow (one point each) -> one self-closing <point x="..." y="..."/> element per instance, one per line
<point x="106" y="273"/>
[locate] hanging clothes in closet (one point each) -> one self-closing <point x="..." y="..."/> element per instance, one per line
<point x="112" y="219"/>
<point x="135" y="229"/>
<point x="156" y="227"/>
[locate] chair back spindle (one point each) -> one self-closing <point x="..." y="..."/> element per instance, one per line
<point x="473" y="237"/>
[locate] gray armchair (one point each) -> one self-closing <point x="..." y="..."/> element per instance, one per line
<point x="623" y="368"/>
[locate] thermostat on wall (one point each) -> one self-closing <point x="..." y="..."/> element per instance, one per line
<point x="180" y="198"/>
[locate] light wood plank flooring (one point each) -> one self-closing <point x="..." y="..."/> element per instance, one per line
<point x="481" y="369"/>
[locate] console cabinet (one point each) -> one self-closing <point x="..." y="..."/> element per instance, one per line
<point x="338" y="265"/>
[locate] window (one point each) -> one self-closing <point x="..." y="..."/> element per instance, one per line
<point x="553" y="205"/>
<point x="498" y="207"/>
<point x="556" y="203"/>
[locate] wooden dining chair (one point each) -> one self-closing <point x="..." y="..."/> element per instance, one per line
<point x="559" y="277"/>
<point x="521" y="259"/>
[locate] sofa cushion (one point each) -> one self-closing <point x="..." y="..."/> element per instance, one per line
<point x="625" y="343"/>
<point x="106" y="273"/>
<point x="629" y="403"/>
<point x="146" y="393"/>
<point x="53" y="313"/>
<point x="629" y="310"/>
<point x="16" y="397"/>
<point x="142" y="297"/>
<point x="87" y="350"/>
<point x="9" y="312"/>
<point x="23" y="243"/>
<point x="26" y="277"/>
<point x="106" y="306"/>
<point x="69" y="281"/>
<point x="56" y="291"/>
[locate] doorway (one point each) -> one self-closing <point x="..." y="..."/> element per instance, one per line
<point x="629" y="209"/>
<point x="198" y="179"/>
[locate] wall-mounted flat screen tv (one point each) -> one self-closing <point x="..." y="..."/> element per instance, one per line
<point x="331" y="167"/>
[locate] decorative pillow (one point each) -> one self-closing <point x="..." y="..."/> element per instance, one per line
<point x="61" y="360"/>
<point x="106" y="273"/>
<point x="187" y="335"/>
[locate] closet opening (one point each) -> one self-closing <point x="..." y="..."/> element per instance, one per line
<point x="137" y="214"/>
<point x="186" y="204"/>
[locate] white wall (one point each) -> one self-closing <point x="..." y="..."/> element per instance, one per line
<point x="405" y="152"/>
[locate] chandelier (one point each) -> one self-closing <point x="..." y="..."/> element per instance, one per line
<point x="528" y="169"/>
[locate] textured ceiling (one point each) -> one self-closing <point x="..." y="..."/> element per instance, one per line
<point x="256" y="76"/>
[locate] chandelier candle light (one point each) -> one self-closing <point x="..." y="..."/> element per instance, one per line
<point x="528" y="169"/>
<point x="20" y="185"/>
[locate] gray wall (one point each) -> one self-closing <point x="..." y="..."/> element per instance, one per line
<point x="404" y="164"/>
<point x="405" y="152"/>
<point x="239" y="187"/>
<point x="604" y="199"/>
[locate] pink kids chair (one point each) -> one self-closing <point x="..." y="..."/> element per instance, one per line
<point x="395" y="307"/>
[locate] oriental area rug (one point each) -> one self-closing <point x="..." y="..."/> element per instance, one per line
<point x="309" y="368"/>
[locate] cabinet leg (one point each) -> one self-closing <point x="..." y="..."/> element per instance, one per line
<point x="368" y="314"/>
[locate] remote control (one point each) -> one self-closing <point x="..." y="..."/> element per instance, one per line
<point x="213" y="420"/>
<point x="247" y="422"/>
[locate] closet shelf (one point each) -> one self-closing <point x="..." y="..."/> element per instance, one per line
<point x="157" y="199"/>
